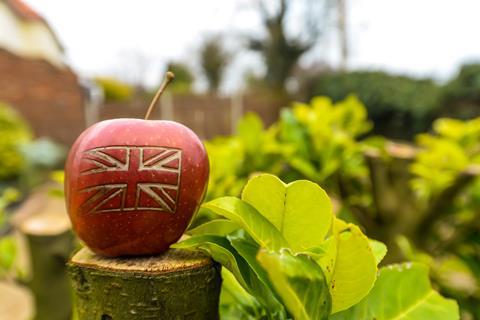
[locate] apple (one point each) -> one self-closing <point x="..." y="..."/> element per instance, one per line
<point x="132" y="185"/>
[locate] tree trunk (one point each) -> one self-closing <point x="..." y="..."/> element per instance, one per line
<point x="178" y="284"/>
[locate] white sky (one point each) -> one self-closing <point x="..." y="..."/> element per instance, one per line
<point x="417" y="37"/>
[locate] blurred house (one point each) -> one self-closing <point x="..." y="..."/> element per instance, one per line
<point x="34" y="77"/>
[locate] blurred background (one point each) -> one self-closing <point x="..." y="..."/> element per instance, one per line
<point x="377" y="101"/>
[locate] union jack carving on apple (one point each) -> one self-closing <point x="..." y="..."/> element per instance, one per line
<point x="157" y="172"/>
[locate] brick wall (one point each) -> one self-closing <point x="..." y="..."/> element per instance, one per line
<point x="52" y="102"/>
<point x="50" y="99"/>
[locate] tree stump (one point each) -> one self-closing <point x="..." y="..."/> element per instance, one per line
<point x="16" y="302"/>
<point x="178" y="284"/>
<point x="44" y="223"/>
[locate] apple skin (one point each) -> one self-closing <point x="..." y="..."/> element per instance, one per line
<point x="114" y="177"/>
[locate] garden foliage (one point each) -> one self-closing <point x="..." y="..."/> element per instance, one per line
<point x="14" y="133"/>
<point x="115" y="90"/>
<point x="421" y="199"/>
<point x="461" y="95"/>
<point x="286" y="256"/>
<point x="23" y="160"/>
<point x="399" y="106"/>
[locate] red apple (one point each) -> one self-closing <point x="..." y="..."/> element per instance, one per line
<point x="132" y="186"/>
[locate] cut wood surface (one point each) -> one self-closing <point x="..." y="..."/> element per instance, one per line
<point x="42" y="214"/>
<point x="16" y="302"/>
<point x="178" y="284"/>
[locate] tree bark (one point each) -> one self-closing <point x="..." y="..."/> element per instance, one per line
<point x="178" y="284"/>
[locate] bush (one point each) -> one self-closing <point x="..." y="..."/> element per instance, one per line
<point x="14" y="133"/>
<point x="421" y="200"/>
<point x="399" y="106"/>
<point x="115" y="90"/>
<point x="461" y="96"/>
<point x="286" y="256"/>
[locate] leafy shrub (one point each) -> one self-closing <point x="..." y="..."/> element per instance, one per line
<point x="315" y="141"/>
<point x="323" y="136"/>
<point x="286" y="256"/>
<point x="399" y="106"/>
<point x="446" y="168"/>
<point x="233" y="159"/>
<point x="422" y="200"/>
<point x="115" y="90"/>
<point x="14" y="133"/>
<point x="461" y="95"/>
<point x="445" y="154"/>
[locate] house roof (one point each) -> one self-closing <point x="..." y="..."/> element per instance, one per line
<point x="26" y="13"/>
<point x="23" y="11"/>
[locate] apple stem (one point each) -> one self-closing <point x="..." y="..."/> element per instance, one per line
<point x="169" y="76"/>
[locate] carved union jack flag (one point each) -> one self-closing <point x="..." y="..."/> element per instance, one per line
<point x="137" y="179"/>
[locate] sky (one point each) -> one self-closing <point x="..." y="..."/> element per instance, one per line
<point x="136" y="38"/>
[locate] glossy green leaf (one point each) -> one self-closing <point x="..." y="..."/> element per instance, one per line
<point x="354" y="266"/>
<point x="301" y="210"/>
<point x="328" y="259"/>
<point x="248" y="249"/>
<point x="300" y="282"/>
<point x="246" y="216"/>
<point x="220" y="249"/>
<point x="402" y="292"/>
<point x="219" y="227"/>
<point x="262" y="286"/>
<point x="236" y="302"/>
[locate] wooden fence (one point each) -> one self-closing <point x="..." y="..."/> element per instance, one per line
<point x="208" y="115"/>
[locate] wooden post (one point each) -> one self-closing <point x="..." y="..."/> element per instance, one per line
<point x="236" y="111"/>
<point x="178" y="284"/>
<point x="166" y="107"/>
<point x="44" y="223"/>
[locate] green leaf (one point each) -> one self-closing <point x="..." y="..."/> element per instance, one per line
<point x="402" y="292"/>
<point x="300" y="282"/>
<point x="301" y="210"/>
<point x="354" y="266"/>
<point x="328" y="259"/>
<point x="379" y="249"/>
<point x="8" y="253"/>
<point x="219" y="227"/>
<point x="220" y="249"/>
<point x="235" y="301"/>
<point x="248" y="249"/>
<point x="261" y="285"/>
<point x="249" y="219"/>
